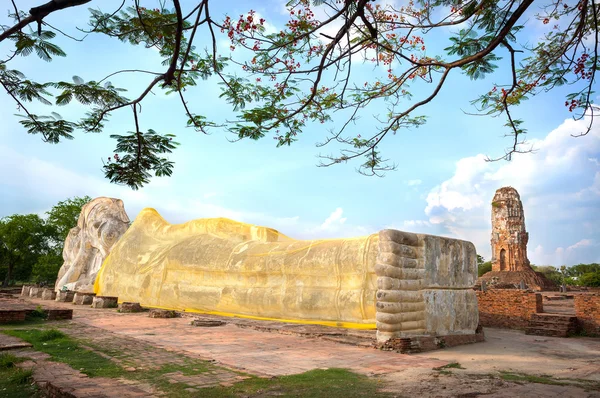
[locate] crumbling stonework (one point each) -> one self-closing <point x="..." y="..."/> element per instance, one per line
<point x="510" y="264"/>
<point x="587" y="309"/>
<point x="507" y="308"/>
<point x="509" y="237"/>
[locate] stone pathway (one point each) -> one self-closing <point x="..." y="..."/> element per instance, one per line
<point x="59" y="379"/>
<point x="11" y="343"/>
<point x="259" y="353"/>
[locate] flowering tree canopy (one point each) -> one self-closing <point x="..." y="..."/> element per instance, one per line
<point x="280" y="80"/>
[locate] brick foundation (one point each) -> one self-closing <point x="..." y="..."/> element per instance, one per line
<point x="7" y="316"/>
<point x="508" y="308"/>
<point x="412" y="345"/>
<point x="131" y="307"/>
<point x="158" y="313"/>
<point x="56" y="315"/>
<point x="587" y="309"/>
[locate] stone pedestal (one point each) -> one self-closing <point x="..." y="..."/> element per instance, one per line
<point x="83" y="298"/>
<point x="105" y="302"/>
<point x="131" y="307"/>
<point x="35" y="292"/>
<point x="65" y="297"/>
<point x="48" y="294"/>
<point x="157" y="313"/>
<point x="25" y="290"/>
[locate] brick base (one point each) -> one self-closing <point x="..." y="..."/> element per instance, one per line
<point x="83" y="298"/>
<point x="48" y="294"/>
<point x="56" y="315"/>
<point x="65" y="297"/>
<point x="7" y="316"/>
<point x="105" y="302"/>
<point x="131" y="307"/>
<point x="157" y="313"/>
<point x="415" y="344"/>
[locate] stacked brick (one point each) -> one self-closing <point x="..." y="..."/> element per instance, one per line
<point x="508" y="308"/>
<point x="587" y="309"/>
<point x="7" y="316"/>
<point x="415" y="344"/>
<point x="55" y="315"/>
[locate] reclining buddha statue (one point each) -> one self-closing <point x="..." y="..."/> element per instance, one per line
<point x="400" y="283"/>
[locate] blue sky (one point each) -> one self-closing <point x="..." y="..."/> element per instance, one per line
<point x="442" y="185"/>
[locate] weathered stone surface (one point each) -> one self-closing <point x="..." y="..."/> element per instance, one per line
<point x="83" y="298"/>
<point x="510" y="265"/>
<point x="206" y="323"/>
<point x="158" y="313"/>
<point x="35" y="292"/>
<point x="425" y="286"/>
<point x="509" y="237"/>
<point x="48" y="294"/>
<point x="450" y="312"/>
<point x="25" y="290"/>
<point x="65" y="296"/>
<point x="105" y="302"/>
<point x="101" y="223"/>
<point x="131" y="307"/>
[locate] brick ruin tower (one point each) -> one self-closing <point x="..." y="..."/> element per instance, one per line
<point x="510" y="264"/>
<point x="509" y="237"/>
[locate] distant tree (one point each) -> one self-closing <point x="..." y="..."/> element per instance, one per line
<point x="64" y="215"/>
<point x="278" y="83"/>
<point x="552" y="273"/>
<point x="45" y="269"/>
<point x="31" y="247"/>
<point x="580" y="269"/>
<point x="591" y="279"/>
<point x="484" y="268"/>
<point x="23" y="240"/>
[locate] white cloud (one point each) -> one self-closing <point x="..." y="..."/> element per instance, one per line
<point x="559" y="186"/>
<point x="334" y="220"/>
<point x="581" y="243"/>
<point x="412" y="183"/>
<point x="45" y="183"/>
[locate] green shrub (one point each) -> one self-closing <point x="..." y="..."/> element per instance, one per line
<point x="8" y="361"/>
<point x="51" y="334"/>
<point x="21" y="376"/>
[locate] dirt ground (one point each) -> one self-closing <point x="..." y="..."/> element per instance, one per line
<point x="573" y="361"/>
<point x="502" y="366"/>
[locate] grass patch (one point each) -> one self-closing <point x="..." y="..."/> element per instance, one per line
<point x="51" y="334"/>
<point x="453" y="365"/>
<point x="88" y="358"/>
<point x="65" y="349"/>
<point x="8" y="360"/>
<point x="329" y="383"/>
<point x="525" y="378"/>
<point x="15" y="382"/>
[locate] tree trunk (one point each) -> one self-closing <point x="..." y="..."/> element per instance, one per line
<point x="8" y="275"/>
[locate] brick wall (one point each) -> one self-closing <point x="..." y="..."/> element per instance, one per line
<point x="587" y="309"/>
<point x="507" y="308"/>
<point x="12" y="316"/>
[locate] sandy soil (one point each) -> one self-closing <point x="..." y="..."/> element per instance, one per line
<point x="572" y="361"/>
